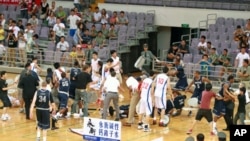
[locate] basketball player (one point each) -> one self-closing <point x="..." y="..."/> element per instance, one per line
<point x="4" y="95"/>
<point x="94" y="65"/>
<point x="116" y="65"/>
<point x="34" y="66"/>
<point x="205" y="110"/>
<point x="180" y="74"/>
<point x="43" y="101"/>
<point x="160" y="86"/>
<point x="63" y="95"/>
<point x="147" y="102"/>
<point x="199" y="82"/>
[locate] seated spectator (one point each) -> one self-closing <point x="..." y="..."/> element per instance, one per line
<point x="88" y="14"/>
<point x="172" y="53"/>
<point x="205" y="65"/>
<point x="200" y="137"/>
<point x="105" y="31"/>
<point x="44" y="9"/>
<point x="238" y="33"/>
<point x="113" y="18"/>
<point x="93" y="31"/>
<point x="202" y="46"/>
<point x="79" y="33"/>
<point x="104" y="16"/>
<point x="61" y="14"/>
<point x="99" y="38"/>
<point x="213" y="57"/>
<point x="20" y="25"/>
<point x="51" y="19"/>
<point x="2" y="32"/>
<point x="226" y="70"/>
<point x="52" y="35"/>
<point x="63" y="45"/>
<point x="209" y="48"/>
<point x="122" y="19"/>
<point x="33" y="10"/>
<point x="240" y="57"/>
<point x="112" y="33"/>
<point x="243" y="42"/>
<point x="86" y="37"/>
<point x="72" y="54"/>
<point x="183" y="47"/>
<point x="243" y="73"/>
<point x="223" y="57"/>
<point x="97" y="15"/>
<point x="2" y="52"/>
<point x="9" y="23"/>
<point x="33" y="21"/>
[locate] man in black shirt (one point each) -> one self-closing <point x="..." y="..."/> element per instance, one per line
<point x="29" y="85"/>
<point x="241" y="112"/>
<point x="4" y="95"/>
<point x="82" y="80"/>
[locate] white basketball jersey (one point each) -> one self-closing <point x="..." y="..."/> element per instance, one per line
<point x="105" y="74"/>
<point x="146" y="89"/>
<point x="161" y="85"/>
<point x="94" y="65"/>
<point x="33" y="68"/>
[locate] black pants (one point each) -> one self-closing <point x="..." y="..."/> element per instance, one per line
<point x="228" y="117"/>
<point x="27" y="102"/>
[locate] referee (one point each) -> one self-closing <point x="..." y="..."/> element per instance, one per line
<point x="111" y="86"/>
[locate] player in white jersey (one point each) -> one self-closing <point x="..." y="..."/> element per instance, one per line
<point x="94" y="65"/>
<point x="34" y="66"/>
<point x="116" y="65"/>
<point x="160" y="86"/>
<point x="146" y="103"/>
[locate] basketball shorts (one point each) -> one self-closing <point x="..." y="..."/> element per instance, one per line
<point x="197" y="94"/>
<point x="72" y="90"/>
<point x="219" y="108"/>
<point x="206" y="113"/>
<point x="63" y="100"/>
<point x="181" y="84"/>
<point x="160" y="102"/>
<point x="43" y="119"/>
<point x="145" y="107"/>
<point x="6" y="101"/>
<point x="170" y="106"/>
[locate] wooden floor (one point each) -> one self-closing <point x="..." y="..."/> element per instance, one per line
<point x="20" y="129"/>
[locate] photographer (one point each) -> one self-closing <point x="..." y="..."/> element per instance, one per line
<point x="12" y="46"/>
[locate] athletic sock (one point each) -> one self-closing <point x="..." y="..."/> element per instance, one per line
<point x="38" y="133"/>
<point x="214" y="125"/>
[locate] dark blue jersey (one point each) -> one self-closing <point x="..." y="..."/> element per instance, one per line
<point x="74" y="72"/>
<point x="43" y="99"/>
<point x="179" y="101"/>
<point x="221" y="91"/>
<point x="64" y="84"/>
<point x="199" y="85"/>
<point x="180" y="73"/>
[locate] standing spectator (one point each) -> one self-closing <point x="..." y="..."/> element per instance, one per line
<point x="34" y="9"/>
<point x="83" y="79"/>
<point x="12" y="45"/>
<point x="243" y="42"/>
<point x="33" y="21"/>
<point x="104" y="16"/>
<point x="61" y="14"/>
<point x="243" y="73"/>
<point x="14" y="28"/>
<point x="73" y="21"/>
<point x="88" y="54"/>
<point x="29" y="85"/>
<point x="79" y="33"/>
<point x="240" y="57"/>
<point x="52" y="9"/>
<point x="223" y="57"/>
<point x="22" y="40"/>
<point x="247" y="106"/>
<point x="97" y="15"/>
<point x="148" y="55"/>
<point x="63" y="45"/>
<point x="113" y="18"/>
<point x="4" y="95"/>
<point x="111" y="86"/>
<point x="122" y="19"/>
<point x="51" y="19"/>
<point x="2" y="36"/>
<point x="2" y="52"/>
<point x="241" y="112"/>
<point x="183" y="47"/>
<point x="202" y="45"/>
<point x="227" y="69"/>
<point x="112" y="32"/>
<point x="238" y="33"/>
<point x="24" y="9"/>
<point x="88" y="14"/>
<point x="59" y="29"/>
<point x="44" y="9"/>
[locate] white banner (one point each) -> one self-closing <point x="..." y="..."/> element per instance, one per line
<point x="95" y="129"/>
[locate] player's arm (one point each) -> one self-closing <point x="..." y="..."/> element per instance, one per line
<point x="169" y="89"/>
<point x="227" y="94"/>
<point x="205" y="79"/>
<point x="32" y="105"/>
<point x="152" y="91"/>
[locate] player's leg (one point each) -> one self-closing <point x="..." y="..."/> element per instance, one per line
<point x="149" y="109"/>
<point x="209" y="117"/>
<point x="163" y="109"/>
<point x="156" y="105"/>
<point x="142" y="111"/>
<point x="198" y="117"/>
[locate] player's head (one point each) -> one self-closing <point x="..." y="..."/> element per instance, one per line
<point x="177" y="61"/>
<point x="113" y="74"/>
<point x="56" y="65"/>
<point x="94" y="55"/>
<point x="127" y="75"/>
<point x="111" y="70"/>
<point x="113" y="53"/>
<point x="110" y="60"/>
<point x="86" y="68"/>
<point x="165" y="70"/>
<point x="3" y="74"/>
<point x="230" y="78"/>
<point x="63" y="75"/>
<point x="151" y="73"/>
<point x="196" y="73"/>
<point x="44" y="84"/>
<point x="242" y="90"/>
<point x="76" y="63"/>
<point x="208" y="87"/>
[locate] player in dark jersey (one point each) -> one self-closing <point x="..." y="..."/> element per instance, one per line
<point x="180" y="74"/>
<point x="224" y="105"/>
<point x="199" y="82"/>
<point x="43" y="101"/>
<point x="73" y="73"/>
<point x="63" y="95"/>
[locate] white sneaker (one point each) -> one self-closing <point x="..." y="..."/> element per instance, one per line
<point x="4" y="118"/>
<point x="140" y="126"/>
<point x="146" y="129"/>
<point x="8" y="117"/>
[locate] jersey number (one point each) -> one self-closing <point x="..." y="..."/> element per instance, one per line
<point x="42" y="99"/>
<point x="160" y="80"/>
<point x="144" y="86"/>
<point x="65" y="84"/>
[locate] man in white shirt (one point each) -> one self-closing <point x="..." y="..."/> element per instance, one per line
<point x="63" y="45"/>
<point x="33" y="21"/>
<point x="73" y="20"/>
<point x="133" y="85"/>
<point x="111" y="86"/>
<point x="240" y="57"/>
<point x="116" y="65"/>
<point x="59" y="29"/>
<point x="202" y="46"/>
<point x="97" y="15"/>
<point x="247" y="99"/>
<point x="14" y="28"/>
